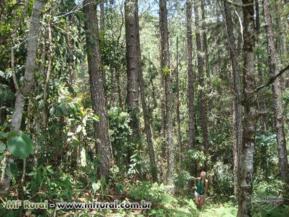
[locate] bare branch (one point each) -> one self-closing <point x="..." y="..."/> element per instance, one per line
<point x="272" y="79"/>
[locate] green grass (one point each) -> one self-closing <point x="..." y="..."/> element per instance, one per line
<point x="219" y="210"/>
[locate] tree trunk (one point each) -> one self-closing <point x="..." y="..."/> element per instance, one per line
<point x="274" y="67"/>
<point x="30" y="65"/>
<point x="165" y="70"/>
<point x="102" y="19"/>
<point x="132" y="65"/>
<point x="104" y="148"/>
<point x="148" y="132"/>
<point x="257" y="20"/>
<point x="237" y="92"/>
<point x="47" y="78"/>
<point x="146" y="112"/>
<point x="26" y="89"/>
<point x="281" y="27"/>
<point x="203" y="97"/>
<point x="249" y="102"/>
<point x="201" y="64"/>
<point x="191" y="81"/>
<point x="178" y="107"/>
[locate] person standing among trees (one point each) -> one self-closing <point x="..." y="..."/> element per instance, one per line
<point x="201" y="189"/>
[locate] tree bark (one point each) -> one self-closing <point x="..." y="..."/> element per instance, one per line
<point x="104" y="148"/>
<point x="132" y="65"/>
<point x="165" y="70"/>
<point x="203" y="97"/>
<point x="201" y="65"/>
<point x="179" y="136"/>
<point x="249" y="121"/>
<point x="148" y="131"/>
<point x="102" y="18"/>
<point x="146" y="112"/>
<point x="30" y="65"/>
<point x="274" y="67"/>
<point x="257" y="19"/>
<point x="191" y="80"/>
<point x="26" y="89"/>
<point x="47" y="78"/>
<point x="237" y="92"/>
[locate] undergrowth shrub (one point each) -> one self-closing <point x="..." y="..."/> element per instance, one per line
<point x="268" y="199"/>
<point x="163" y="203"/>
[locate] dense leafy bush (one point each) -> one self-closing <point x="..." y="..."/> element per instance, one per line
<point x="222" y="179"/>
<point x="119" y="133"/>
<point x="46" y="183"/>
<point x="182" y="180"/>
<point x="266" y="156"/>
<point x="268" y="199"/>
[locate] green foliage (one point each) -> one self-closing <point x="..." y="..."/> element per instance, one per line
<point x="166" y="71"/>
<point x="47" y="183"/>
<point x="18" y="144"/>
<point x="2" y="147"/>
<point x="153" y="192"/>
<point x="194" y="155"/>
<point x="119" y="133"/>
<point x="182" y="180"/>
<point x="272" y="211"/>
<point x="272" y="188"/>
<point x="267" y="195"/>
<point x="138" y="166"/>
<point x="6" y="95"/>
<point x="70" y="127"/>
<point x="222" y="179"/>
<point x="163" y="203"/>
<point x="266" y="155"/>
<point x="220" y="210"/>
<point x="95" y="186"/>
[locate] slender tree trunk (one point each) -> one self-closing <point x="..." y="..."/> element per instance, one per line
<point x="104" y="148"/>
<point x="191" y="80"/>
<point x="203" y="97"/>
<point x="26" y="89"/>
<point x="47" y="78"/>
<point x="261" y="104"/>
<point x="257" y="20"/>
<point x="146" y="112"/>
<point x="165" y="69"/>
<point x="281" y="23"/>
<point x="148" y="132"/>
<point x="102" y="17"/>
<point x="132" y="65"/>
<point x="249" y="102"/>
<point x="178" y="106"/>
<point x="237" y="92"/>
<point x="274" y="67"/>
<point x="30" y="65"/>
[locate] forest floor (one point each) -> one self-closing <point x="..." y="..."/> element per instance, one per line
<point x="63" y="188"/>
<point x="219" y="210"/>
